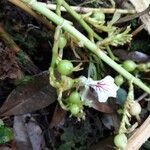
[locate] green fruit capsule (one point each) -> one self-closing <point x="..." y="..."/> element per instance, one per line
<point x="119" y="80"/>
<point x="99" y="16"/>
<point x="120" y="141"/>
<point x="67" y="82"/>
<point x="129" y="65"/>
<point x="65" y="67"/>
<point x="135" y="109"/>
<point x="62" y="42"/>
<point x="74" y="109"/>
<point x="74" y="98"/>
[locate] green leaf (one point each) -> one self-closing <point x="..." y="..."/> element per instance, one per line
<point x="68" y="134"/>
<point x="115" y="18"/>
<point x="92" y="71"/>
<point x="1" y="123"/>
<point x="5" y="135"/>
<point x="66" y="146"/>
<point x="147" y="145"/>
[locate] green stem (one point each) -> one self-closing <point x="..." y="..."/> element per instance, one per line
<point x="55" y="46"/>
<point x="52" y="78"/>
<point x="87" y="43"/>
<point x="100" y="27"/>
<point x="81" y="21"/>
<point x="55" y="56"/>
<point x="88" y="9"/>
<point x="58" y="7"/>
<point x="111" y="54"/>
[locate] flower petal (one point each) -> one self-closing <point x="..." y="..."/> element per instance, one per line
<point x="104" y="88"/>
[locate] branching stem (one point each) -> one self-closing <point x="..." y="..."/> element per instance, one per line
<point x="86" y="42"/>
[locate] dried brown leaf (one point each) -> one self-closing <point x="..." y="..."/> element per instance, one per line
<point x="102" y="107"/>
<point x="110" y="121"/>
<point x="5" y="148"/>
<point x="27" y="135"/>
<point x="135" y="56"/>
<point x="105" y="144"/>
<point x="21" y="137"/>
<point x="58" y="117"/>
<point x="30" y="97"/>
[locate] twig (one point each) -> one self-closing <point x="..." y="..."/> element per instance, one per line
<point x="139" y="29"/>
<point x="88" y="9"/>
<point x="140" y="136"/>
<point x="141" y="97"/>
<point x="32" y="13"/>
<point x="141" y="6"/>
<point x="29" y="66"/>
<point x="131" y="17"/>
<point x="8" y="41"/>
<point x="112" y="56"/>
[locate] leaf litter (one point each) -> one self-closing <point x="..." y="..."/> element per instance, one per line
<point x="30" y="97"/>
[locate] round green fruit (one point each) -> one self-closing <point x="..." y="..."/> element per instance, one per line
<point x="74" y="109"/>
<point x="74" y="98"/>
<point x="120" y="141"/>
<point x="65" y="67"/>
<point x="129" y="65"/>
<point x="62" y="42"/>
<point x="119" y="80"/>
<point x="99" y="16"/>
<point x="135" y="109"/>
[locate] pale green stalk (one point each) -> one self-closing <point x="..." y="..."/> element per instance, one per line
<point x="58" y="6"/>
<point x="81" y="21"/>
<point x="80" y="9"/>
<point x="87" y="43"/>
<point x="111" y="53"/>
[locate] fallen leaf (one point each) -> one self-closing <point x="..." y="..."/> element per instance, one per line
<point x="30" y="97"/>
<point x="140" y="6"/>
<point x="102" y="107"/>
<point x="110" y="121"/>
<point x="135" y="56"/>
<point x="58" y="118"/>
<point x="104" y="144"/>
<point x="20" y="134"/>
<point x="27" y="135"/>
<point x="5" y="148"/>
<point x="136" y="15"/>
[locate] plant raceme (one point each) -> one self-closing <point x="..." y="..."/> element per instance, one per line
<point x="73" y="93"/>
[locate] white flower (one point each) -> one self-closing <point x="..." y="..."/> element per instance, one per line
<point x="104" y="88"/>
